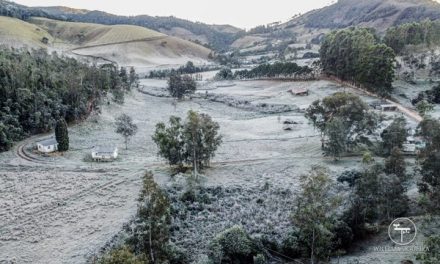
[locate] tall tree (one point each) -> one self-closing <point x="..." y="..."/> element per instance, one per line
<point x="395" y="164"/>
<point x="394" y="135"/>
<point x="429" y="160"/>
<point x="337" y="135"/>
<point x="170" y="141"/>
<point x="193" y="143"/>
<point x="126" y="127"/>
<point x="314" y="215"/>
<point x="62" y="135"/>
<point x="201" y="139"/>
<point x="150" y="231"/>
<point x="353" y="114"/>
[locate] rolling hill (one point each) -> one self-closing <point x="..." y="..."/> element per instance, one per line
<point x="217" y="36"/>
<point x="377" y="14"/>
<point x="16" y="33"/>
<point x="124" y="44"/>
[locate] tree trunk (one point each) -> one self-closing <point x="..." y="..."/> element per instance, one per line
<point x="312" y="248"/>
<point x="151" y="247"/>
<point x="194" y="163"/>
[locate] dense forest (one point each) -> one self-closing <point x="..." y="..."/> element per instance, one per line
<point x="276" y="70"/>
<point x="37" y="88"/>
<point x="357" y="56"/>
<point x="424" y="33"/>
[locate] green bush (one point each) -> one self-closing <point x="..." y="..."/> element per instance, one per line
<point x="432" y="255"/>
<point x="232" y="245"/>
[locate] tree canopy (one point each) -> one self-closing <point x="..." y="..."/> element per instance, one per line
<point x="126" y="127"/>
<point x="193" y="142"/>
<point x="343" y="120"/>
<point x="355" y="55"/>
<point x="425" y="33"/>
<point x="278" y="69"/>
<point x="181" y="85"/>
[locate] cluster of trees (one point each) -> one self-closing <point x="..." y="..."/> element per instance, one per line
<point x="192" y="142"/>
<point x="425" y="33"/>
<point x="323" y="226"/>
<point x="344" y="121"/>
<point x="355" y="55"/>
<point x="276" y="70"/>
<point x="181" y="85"/>
<point x="429" y="160"/>
<point x="431" y="96"/>
<point x="188" y="68"/>
<point x="37" y="89"/>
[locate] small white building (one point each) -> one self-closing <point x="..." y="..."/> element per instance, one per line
<point x="104" y="153"/>
<point x="414" y="144"/>
<point x="47" y="146"/>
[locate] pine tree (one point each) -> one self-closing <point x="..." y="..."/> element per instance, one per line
<point x="62" y="135"/>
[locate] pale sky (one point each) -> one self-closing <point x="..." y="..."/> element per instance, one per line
<point x="240" y="13"/>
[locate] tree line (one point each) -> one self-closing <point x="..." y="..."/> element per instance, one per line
<point x="188" y="68"/>
<point x="416" y="33"/>
<point x="37" y="89"/>
<point x="356" y="55"/>
<point x="276" y="70"/>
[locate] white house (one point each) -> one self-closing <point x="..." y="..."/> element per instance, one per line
<point x="48" y="145"/>
<point x="414" y="144"/>
<point x="104" y="153"/>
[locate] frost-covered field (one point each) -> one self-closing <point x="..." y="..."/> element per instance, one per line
<point x="62" y="209"/>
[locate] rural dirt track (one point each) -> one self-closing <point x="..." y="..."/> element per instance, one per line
<point x="121" y="42"/>
<point x="406" y="111"/>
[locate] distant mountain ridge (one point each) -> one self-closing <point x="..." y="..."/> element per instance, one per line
<point x="311" y="26"/>
<point x="218" y="36"/>
<point x="126" y="45"/>
<point x="379" y="14"/>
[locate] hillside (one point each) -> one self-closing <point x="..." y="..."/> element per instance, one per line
<point x="17" y="33"/>
<point x="218" y="36"/>
<point x="124" y="44"/>
<point x="379" y="14"/>
<point x="88" y="34"/>
<point x="310" y="27"/>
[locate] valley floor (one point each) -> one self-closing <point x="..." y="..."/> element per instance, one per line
<point x="62" y="209"/>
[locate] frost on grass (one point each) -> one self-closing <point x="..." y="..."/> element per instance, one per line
<point x="200" y="213"/>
